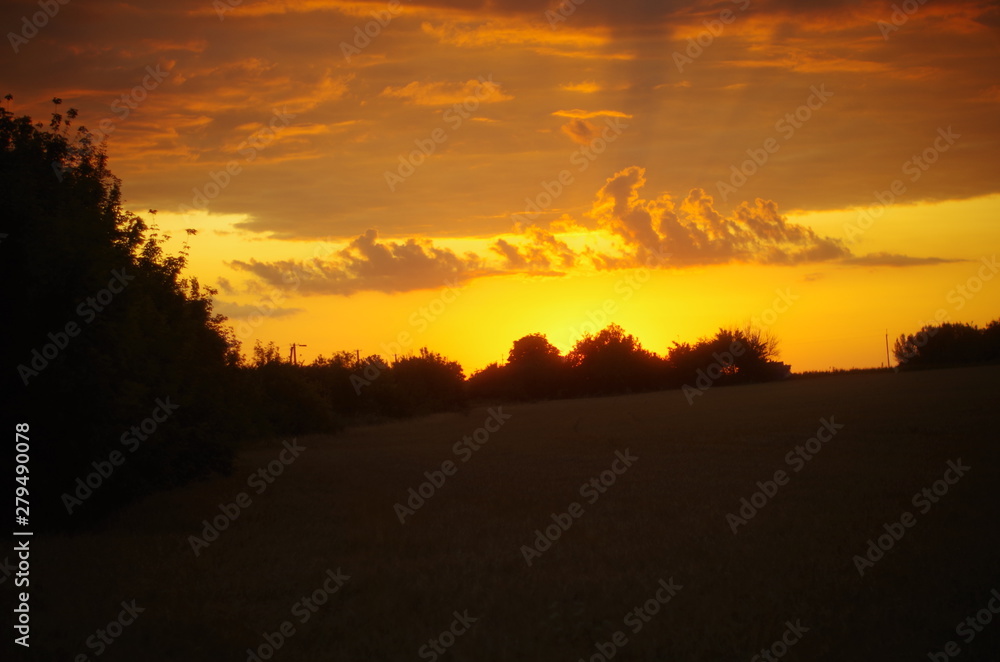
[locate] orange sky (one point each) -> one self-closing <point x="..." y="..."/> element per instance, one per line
<point x="469" y="172"/>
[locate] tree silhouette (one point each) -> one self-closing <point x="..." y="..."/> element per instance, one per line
<point x="738" y="354"/>
<point x="533" y="348"/>
<point x="427" y="382"/>
<point x="103" y="327"/>
<point x="612" y="361"/>
<point x="535" y="367"/>
<point x="948" y="344"/>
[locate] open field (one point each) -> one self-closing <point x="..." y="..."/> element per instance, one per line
<point x="665" y="517"/>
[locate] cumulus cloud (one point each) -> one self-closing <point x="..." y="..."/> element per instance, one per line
<point x="540" y="253"/>
<point x="630" y="231"/>
<point x="695" y="233"/>
<point x="369" y="264"/>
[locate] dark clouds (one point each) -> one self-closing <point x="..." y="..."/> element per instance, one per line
<point x="323" y="176"/>
<point x="659" y="233"/>
<point x="369" y="264"/>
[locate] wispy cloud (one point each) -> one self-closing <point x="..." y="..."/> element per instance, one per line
<point x="442" y="93"/>
<point x="883" y="259"/>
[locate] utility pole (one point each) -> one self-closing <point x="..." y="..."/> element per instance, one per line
<point x="357" y="354"/>
<point x="887" y="349"/>
<point x="292" y="355"/>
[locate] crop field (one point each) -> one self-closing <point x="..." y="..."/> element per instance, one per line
<point x="844" y="517"/>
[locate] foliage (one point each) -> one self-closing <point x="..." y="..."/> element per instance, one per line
<point x="948" y="344"/>
<point x="102" y="325"/>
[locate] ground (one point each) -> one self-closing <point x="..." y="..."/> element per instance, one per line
<point x="793" y="568"/>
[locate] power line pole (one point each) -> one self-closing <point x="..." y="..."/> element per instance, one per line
<point x="293" y="357"/>
<point x="887" y="349"/>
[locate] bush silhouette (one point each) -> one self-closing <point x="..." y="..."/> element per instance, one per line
<point x="948" y="344"/>
<point x="105" y="327"/>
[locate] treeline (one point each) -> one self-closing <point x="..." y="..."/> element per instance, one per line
<point x="948" y="345"/>
<point x="286" y="398"/>
<point x="613" y="361"/>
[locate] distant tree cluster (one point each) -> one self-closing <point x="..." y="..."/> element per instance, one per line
<point x="613" y="361"/>
<point x="323" y="396"/>
<point x="948" y="344"/>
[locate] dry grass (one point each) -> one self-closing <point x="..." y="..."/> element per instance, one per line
<point x="665" y="517"/>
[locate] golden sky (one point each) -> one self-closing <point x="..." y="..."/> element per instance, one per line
<point x="382" y="176"/>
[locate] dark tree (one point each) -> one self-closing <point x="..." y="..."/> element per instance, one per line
<point x="948" y="344"/>
<point x="427" y="382"/>
<point x="105" y="335"/>
<point x="732" y="355"/>
<point x="535" y="368"/>
<point x="491" y="383"/>
<point x="612" y="361"/>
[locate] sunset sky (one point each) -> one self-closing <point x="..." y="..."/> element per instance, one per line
<point x="381" y="176"/>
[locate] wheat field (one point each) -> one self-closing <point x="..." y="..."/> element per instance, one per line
<point x="454" y="581"/>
